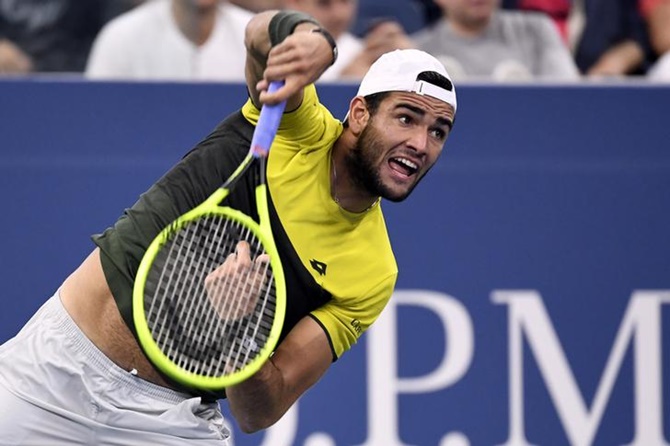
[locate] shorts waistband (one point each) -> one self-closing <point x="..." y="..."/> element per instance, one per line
<point x="100" y="362"/>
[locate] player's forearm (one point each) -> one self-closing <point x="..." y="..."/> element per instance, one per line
<point x="260" y="401"/>
<point x="281" y="46"/>
<point x="257" y="42"/>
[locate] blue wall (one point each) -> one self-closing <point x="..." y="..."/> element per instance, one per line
<point x="561" y="191"/>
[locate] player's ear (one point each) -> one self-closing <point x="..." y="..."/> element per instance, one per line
<point x="358" y="115"/>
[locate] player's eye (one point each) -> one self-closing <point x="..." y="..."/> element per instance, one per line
<point x="439" y="134"/>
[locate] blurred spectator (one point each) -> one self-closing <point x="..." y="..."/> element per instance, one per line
<point x="660" y="72"/>
<point x="567" y="15"/>
<point x="477" y="39"/>
<point x="173" y="40"/>
<point x="657" y="16"/>
<point x="257" y="5"/>
<point x="614" y="40"/>
<point x="431" y="12"/>
<point x="51" y="35"/>
<point x="557" y="10"/>
<point x="410" y="14"/>
<point x="355" y="54"/>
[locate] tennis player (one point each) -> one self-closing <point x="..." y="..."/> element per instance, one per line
<point x="75" y="373"/>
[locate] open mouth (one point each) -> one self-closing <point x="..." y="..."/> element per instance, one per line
<point x="403" y="166"/>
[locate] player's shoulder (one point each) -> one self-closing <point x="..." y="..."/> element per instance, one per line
<point x="235" y="130"/>
<point x="235" y="122"/>
<point x="228" y="142"/>
<point x="312" y="115"/>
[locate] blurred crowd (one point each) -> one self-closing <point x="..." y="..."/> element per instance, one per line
<point x="479" y="40"/>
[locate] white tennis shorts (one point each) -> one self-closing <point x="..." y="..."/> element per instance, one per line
<point x="57" y="388"/>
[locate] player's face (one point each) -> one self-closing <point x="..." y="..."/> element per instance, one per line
<point x="399" y="144"/>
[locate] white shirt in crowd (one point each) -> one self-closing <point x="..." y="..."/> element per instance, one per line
<point x="660" y="71"/>
<point x="145" y="43"/>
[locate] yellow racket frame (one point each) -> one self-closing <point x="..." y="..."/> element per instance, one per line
<point x="264" y="233"/>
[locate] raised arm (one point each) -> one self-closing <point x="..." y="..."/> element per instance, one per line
<point x="298" y="57"/>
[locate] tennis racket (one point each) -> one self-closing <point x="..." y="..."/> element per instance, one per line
<point x="209" y="296"/>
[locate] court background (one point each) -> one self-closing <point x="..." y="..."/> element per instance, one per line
<point x="557" y="195"/>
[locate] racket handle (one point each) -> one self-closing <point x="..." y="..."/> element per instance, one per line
<point x="268" y="123"/>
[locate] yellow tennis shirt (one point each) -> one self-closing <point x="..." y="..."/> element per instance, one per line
<point x="348" y="255"/>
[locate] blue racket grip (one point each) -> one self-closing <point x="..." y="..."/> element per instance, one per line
<point x="268" y="123"/>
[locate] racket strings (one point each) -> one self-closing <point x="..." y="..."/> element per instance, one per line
<point x="215" y="330"/>
<point x="252" y="331"/>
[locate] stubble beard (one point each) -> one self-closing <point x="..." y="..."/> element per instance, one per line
<point x="362" y="163"/>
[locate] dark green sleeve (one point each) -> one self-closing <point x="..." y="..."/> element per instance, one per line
<point x="182" y="188"/>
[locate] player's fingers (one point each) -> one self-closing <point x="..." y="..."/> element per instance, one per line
<point x="282" y="94"/>
<point x="215" y="277"/>
<point x="279" y="54"/>
<point x="262" y="85"/>
<point x="228" y="265"/>
<point x="262" y="259"/>
<point x="243" y="255"/>
<point x="261" y="265"/>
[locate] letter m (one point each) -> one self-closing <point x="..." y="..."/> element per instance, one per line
<point x="640" y="328"/>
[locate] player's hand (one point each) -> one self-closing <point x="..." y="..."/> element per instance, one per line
<point x="299" y="61"/>
<point x="235" y="286"/>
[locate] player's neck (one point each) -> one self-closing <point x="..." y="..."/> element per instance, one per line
<point x="343" y="190"/>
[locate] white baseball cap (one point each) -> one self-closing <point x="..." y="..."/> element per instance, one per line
<point x="398" y="71"/>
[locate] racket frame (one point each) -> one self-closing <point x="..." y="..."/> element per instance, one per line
<point x="263" y="135"/>
<point x="149" y="345"/>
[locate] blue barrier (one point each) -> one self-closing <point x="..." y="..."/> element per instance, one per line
<point x="532" y="305"/>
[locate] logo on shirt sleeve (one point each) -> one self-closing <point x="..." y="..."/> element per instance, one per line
<point x="356" y="324"/>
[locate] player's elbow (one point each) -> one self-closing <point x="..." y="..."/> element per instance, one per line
<point x="251" y="427"/>
<point x="254" y="417"/>
<point x="260" y="401"/>
<point x="251" y="423"/>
